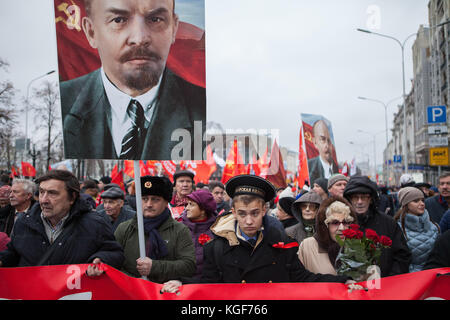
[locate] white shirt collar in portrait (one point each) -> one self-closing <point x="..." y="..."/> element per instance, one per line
<point x="119" y="101"/>
<point x="326" y="168"/>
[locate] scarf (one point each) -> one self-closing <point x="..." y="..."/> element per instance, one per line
<point x="309" y="226"/>
<point x="179" y="201"/>
<point x="156" y="247"/>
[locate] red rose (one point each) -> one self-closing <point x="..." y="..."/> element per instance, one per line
<point x="349" y="233"/>
<point x="385" y="241"/>
<point x="372" y="235"/>
<point x="203" y="238"/>
<point x="359" y="234"/>
<point x="354" y="226"/>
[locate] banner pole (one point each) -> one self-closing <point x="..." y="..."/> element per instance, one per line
<point x="139" y="213"/>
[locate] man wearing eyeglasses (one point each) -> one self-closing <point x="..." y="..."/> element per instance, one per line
<point x="363" y="195"/>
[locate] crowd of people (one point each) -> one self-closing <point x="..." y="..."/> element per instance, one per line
<point x="244" y="231"/>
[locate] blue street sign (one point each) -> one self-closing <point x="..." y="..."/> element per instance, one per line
<point x="397" y="159"/>
<point x="437" y="114"/>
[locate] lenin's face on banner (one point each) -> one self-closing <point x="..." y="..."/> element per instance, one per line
<point x="133" y="38"/>
<point x="322" y="141"/>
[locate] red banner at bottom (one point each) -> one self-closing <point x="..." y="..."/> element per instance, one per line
<point x="69" y="282"/>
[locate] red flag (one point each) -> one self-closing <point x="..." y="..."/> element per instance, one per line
<point x="234" y="164"/>
<point x="345" y="169"/>
<point x="28" y="170"/>
<point x="276" y="173"/>
<point x="14" y="173"/>
<point x="303" y="173"/>
<point x="58" y="281"/>
<point x="128" y="168"/>
<point x="147" y="168"/>
<point x="261" y="166"/>
<point x="205" y="168"/>
<point x="76" y="57"/>
<point x="169" y="168"/>
<point x="117" y="177"/>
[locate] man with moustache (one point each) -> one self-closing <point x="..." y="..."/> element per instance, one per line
<point x="322" y="166"/>
<point x="62" y="229"/>
<point x="170" y="252"/>
<point x="363" y="195"/>
<point x="130" y="107"/>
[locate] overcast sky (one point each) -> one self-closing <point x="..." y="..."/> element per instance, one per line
<point x="268" y="61"/>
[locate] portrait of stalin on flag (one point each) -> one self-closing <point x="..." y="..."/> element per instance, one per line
<point x="130" y="107"/>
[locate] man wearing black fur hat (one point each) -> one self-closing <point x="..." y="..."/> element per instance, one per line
<point x="363" y="195"/>
<point x="245" y="249"/>
<point x="168" y="245"/>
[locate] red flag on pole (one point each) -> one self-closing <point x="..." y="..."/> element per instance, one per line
<point x="303" y="174"/>
<point x="169" y="168"/>
<point x="276" y="173"/>
<point x="205" y="168"/>
<point x="234" y="164"/>
<point x="117" y="177"/>
<point x="128" y="168"/>
<point x="14" y="172"/>
<point x="28" y="170"/>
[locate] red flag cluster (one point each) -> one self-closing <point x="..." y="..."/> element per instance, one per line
<point x="26" y="170"/>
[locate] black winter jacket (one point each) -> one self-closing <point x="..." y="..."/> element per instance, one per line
<point x="397" y="258"/>
<point x="91" y="238"/>
<point x="240" y="262"/>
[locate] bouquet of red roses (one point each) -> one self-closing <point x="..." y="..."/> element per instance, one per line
<point x="359" y="251"/>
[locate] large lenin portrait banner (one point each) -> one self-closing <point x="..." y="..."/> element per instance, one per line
<point x="132" y="78"/>
<point x="320" y="147"/>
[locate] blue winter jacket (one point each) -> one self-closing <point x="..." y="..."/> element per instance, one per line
<point x="420" y="234"/>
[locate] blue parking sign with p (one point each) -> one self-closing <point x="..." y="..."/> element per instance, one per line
<point x="437" y="114"/>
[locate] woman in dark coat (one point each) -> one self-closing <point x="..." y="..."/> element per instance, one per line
<point x="199" y="215"/>
<point x="304" y="210"/>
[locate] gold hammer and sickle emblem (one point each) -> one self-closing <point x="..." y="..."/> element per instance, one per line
<point x="73" y="14"/>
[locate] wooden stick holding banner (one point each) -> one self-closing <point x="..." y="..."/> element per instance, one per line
<point x="139" y="213"/>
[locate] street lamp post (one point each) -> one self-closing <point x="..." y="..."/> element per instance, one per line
<point x="402" y="46"/>
<point x="385" y="105"/>
<point x="27" y="104"/>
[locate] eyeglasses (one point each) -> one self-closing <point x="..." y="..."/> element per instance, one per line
<point x="309" y="206"/>
<point x="356" y="197"/>
<point x="337" y="223"/>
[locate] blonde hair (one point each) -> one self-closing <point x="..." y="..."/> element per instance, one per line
<point x="338" y="207"/>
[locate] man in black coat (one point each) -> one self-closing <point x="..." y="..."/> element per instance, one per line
<point x="440" y="255"/>
<point x="245" y="249"/>
<point x="113" y="207"/>
<point x="63" y="224"/>
<point x="21" y="201"/>
<point x="363" y="195"/>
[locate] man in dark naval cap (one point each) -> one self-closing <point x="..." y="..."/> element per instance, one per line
<point x="168" y="244"/>
<point x="245" y="249"/>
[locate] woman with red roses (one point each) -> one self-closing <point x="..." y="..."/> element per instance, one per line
<point x="199" y="214"/>
<point x="318" y="253"/>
